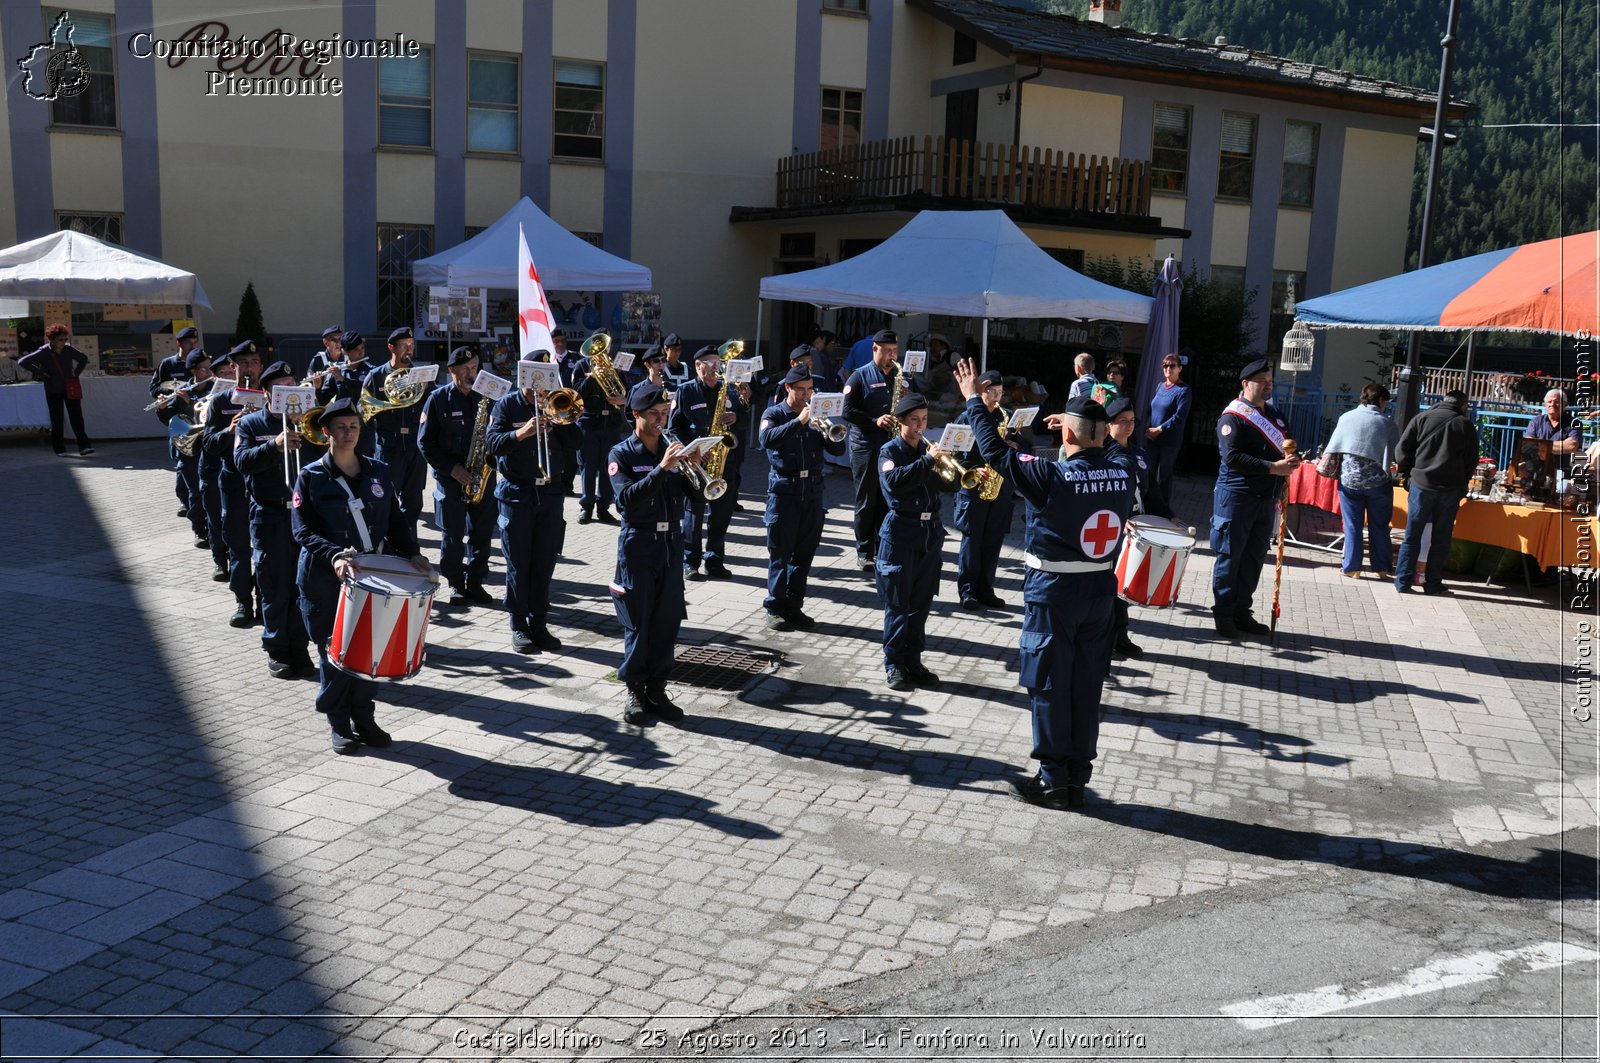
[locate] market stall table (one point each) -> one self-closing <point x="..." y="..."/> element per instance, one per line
<point x="23" y="406"/>
<point x="1552" y="537"/>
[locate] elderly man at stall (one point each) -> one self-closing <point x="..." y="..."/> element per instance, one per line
<point x="1556" y="424"/>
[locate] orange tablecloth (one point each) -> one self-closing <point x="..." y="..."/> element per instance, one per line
<point x="1553" y="536"/>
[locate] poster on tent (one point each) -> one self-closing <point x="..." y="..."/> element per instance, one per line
<point x="122" y="312"/>
<point x="455" y="310"/>
<point x="8" y="343"/>
<point x="57" y="312"/>
<point x="90" y="346"/>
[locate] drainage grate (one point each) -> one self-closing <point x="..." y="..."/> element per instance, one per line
<point x="721" y="668"/>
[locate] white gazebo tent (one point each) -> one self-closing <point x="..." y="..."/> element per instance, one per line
<point x="965" y="263"/>
<point x="566" y="262"/>
<point x="72" y="266"/>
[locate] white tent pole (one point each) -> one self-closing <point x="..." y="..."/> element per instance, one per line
<point x="761" y="305"/>
<point x="983" y="358"/>
<point x="1466" y="384"/>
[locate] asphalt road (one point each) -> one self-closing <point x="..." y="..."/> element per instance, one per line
<point x="1487" y="954"/>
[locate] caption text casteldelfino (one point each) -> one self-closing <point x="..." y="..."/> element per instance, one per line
<point x="276" y="63"/>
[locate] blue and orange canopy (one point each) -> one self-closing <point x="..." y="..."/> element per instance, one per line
<point x="1549" y="286"/>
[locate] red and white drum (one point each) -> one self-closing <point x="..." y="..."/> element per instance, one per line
<point x="382" y="619"/>
<point x="1154" y="554"/>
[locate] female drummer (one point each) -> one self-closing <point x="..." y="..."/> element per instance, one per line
<point x="344" y="504"/>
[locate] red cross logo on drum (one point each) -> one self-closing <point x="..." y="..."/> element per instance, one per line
<point x="1100" y="534"/>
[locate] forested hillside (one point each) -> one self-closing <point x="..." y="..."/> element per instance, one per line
<point x="1532" y="64"/>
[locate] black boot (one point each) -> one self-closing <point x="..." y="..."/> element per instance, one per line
<point x="657" y="702"/>
<point x="368" y="731"/>
<point x="636" y="711"/>
<point x="344" y="738"/>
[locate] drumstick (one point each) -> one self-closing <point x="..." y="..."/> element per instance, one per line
<point x="1290" y="449"/>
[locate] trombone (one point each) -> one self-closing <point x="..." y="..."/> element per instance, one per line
<point x="292" y="418"/>
<point x="711" y="487"/>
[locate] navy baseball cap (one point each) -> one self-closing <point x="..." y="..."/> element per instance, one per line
<point x="333" y="331"/>
<point x="885" y="335"/>
<point x="802" y="351"/>
<point x="196" y="356"/>
<point x="337" y="408"/>
<point x="1117" y="408"/>
<point x="1260" y="365"/>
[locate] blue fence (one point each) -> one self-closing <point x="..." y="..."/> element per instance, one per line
<point x="1312" y="413"/>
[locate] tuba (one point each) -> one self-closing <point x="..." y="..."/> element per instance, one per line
<point x="597" y="349"/>
<point x="399" y="391"/>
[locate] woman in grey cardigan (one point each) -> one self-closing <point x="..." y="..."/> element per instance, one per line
<point x="1365" y="441"/>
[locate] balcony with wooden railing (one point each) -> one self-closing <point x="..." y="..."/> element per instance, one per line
<point x="942" y="168"/>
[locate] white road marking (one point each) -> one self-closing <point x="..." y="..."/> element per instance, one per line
<point x="1440" y="974"/>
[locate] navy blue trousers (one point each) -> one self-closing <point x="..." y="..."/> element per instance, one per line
<point x="984" y="526"/>
<point x="181" y="486"/>
<point x="189" y="493"/>
<point x="211" y="504"/>
<point x="794" y="530"/>
<point x="408" y="472"/>
<point x="870" y="506"/>
<point x="275" y="553"/>
<point x="710" y="519"/>
<point x="531" y="535"/>
<point x="464" y="529"/>
<point x="236" y="533"/>
<point x="592" y="456"/>
<point x="908" y="579"/>
<point x="648" y="593"/>
<point x="1241" y="527"/>
<point x="1065" y="651"/>
<point x="339" y="694"/>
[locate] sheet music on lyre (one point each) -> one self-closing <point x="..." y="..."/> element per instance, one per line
<point x="490" y="386"/>
<point x="827" y="404"/>
<point x="538" y="376"/>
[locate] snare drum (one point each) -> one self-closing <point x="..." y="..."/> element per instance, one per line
<point x="382" y="619"/>
<point x="1154" y="555"/>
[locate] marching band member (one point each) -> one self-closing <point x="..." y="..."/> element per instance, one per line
<point x="909" y="543"/>
<point x="654" y="361"/>
<point x="233" y="504"/>
<point x="395" y="431"/>
<point x="569" y="362"/>
<point x="866" y="407"/>
<point x="795" y="505"/>
<point x="600" y="426"/>
<point x="344" y="503"/>
<point x="691" y="419"/>
<point x="1078" y="505"/>
<point x="343" y="380"/>
<point x="677" y="371"/>
<point x="207" y="468"/>
<point x="448" y="419"/>
<point x="533" y="529"/>
<point x="332" y="352"/>
<point x="983" y="524"/>
<point x="181" y="403"/>
<point x="260" y="442"/>
<point x="647" y="588"/>
<point x="176" y="367"/>
<point x="1123" y="422"/>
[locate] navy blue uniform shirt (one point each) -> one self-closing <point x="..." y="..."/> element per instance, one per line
<point x="693" y="405"/>
<point x="255" y="455"/>
<point x="447" y="420"/>
<point x="322" y="521"/>
<point x="648" y="496"/>
<point x="794" y="451"/>
<point x="390" y="427"/>
<point x="866" y="398"/>
<point x="517" y="460"/>
<point x="1247" y="453"/>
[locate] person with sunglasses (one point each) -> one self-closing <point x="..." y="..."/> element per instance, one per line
<point x="1169" y="414"/>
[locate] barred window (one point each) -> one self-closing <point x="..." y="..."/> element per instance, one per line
<point x="398" y="247"/>
<point x="580" y="110"/>
<point x="80" y="70"/>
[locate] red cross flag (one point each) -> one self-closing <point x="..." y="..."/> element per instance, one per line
<point x="533" y="309"/>
<point x="1100" y="534"/>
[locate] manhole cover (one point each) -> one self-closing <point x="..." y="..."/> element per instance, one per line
<point x="721" y="667"/>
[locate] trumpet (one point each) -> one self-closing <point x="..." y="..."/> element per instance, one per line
<point x="833" y="431"/>
<point x="711" y="487"/>
<point x="951" y="471"/>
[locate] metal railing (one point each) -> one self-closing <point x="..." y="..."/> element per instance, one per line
<point x="968" y="170"/>
<point x="1312" y="413"/>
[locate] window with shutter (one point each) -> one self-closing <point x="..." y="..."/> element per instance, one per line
<point x="1237" y="160"/>
<point x="1169" y="149"/>
<point x="1299" y="163"/>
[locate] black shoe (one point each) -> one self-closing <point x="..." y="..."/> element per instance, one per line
<point x="865" y="564"/>
<point x="242" y="616"/>
<point x="1056" y="798"/>
<point x="605" y="517"/>
<point x="202" y="543"/>
<point x="1226" y="627"/>
<point x="658" y="704"/>
<point x="219" y="573"/>
<point x="634" y="711"/>
<point x="586" y="517"/>
<point x="522" y="643"/>
<point x="344" y="739"/>
<point x="972" y="605"/>
<point x="779" y="622"/>
<point x="717" y="570"/>
<point x="85" y="452"/>
<point x="993" y="601"/>
<point x="183" y="511"/>
<point x="305" y="668"/>
<point x="800" y="620"/>
<point x="693" y="575"/>
<point x="61" y="453"/>
<point x="1249" y="625"/>
<point x="371" y="734"/>
<point x="1437" y="589"/>
<point x="897" y="679"/>
<point x="279" y="668"/>
<point x="1126" y="647"/>
<point x="458" y="597"/>
<point x="542" y="638"/>
<point x="479" y="594"/>
<point x="922" y="676"/>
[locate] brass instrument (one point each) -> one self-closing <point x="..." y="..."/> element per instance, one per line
<point x="709" y="486"/>
<point x="895" y="394"/>
<point x="833" y="431"/>
<point x="992" y="480"/>
<point x="399" y="391"/>
<point x="186" y="439"/>
<point x="951" y="471"/>
<point x="478" y="463"/>
<point x="169" y="388"/>
<point x="717" y="460"/>
<point x="597" y="349"/>
<point x="562" y="406"/>
<point x="308" y="429"/>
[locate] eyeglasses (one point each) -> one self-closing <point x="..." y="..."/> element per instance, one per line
<point x="1169" y="365"/>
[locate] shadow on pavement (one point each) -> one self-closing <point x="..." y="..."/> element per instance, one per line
<point x="1215" y="731"/>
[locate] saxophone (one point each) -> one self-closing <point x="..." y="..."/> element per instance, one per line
<point x="992" y="480"/>
<point x="896" y="394"/>
<point x="717" y="460"/>
<point x="478" y="456"/>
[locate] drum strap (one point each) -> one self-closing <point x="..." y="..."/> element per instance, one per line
<point x="1034" y="561"/>
<point x="355" y="514"/>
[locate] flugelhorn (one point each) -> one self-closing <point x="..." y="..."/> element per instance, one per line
<point x="951" y="471"/>
<point x="833" y="431"/>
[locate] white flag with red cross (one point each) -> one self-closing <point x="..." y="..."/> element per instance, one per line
<point x="533" y="309"/>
